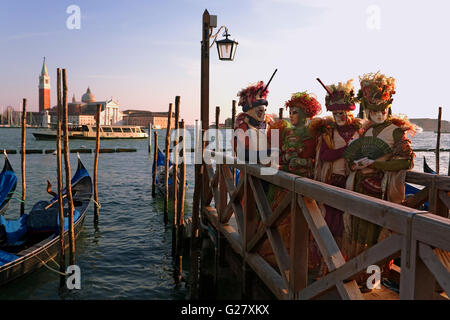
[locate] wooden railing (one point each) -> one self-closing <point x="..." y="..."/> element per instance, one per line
<point x="420" y="238"/>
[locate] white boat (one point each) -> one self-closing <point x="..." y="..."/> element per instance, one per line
<point x="90" y="132"/>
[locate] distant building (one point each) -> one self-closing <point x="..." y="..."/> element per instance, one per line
<point x="44" y="89"/>
<point x="144" y="118"/>
<point x="85" y="111"/>
<point x="228" y="123"/>
<point x="82" y="119"/>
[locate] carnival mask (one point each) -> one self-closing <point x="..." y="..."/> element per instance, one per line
<point x="341" y="117"/>
<point x="258" y="112"/>
<point x="378" y="116"/>
<point x="296" y="115"/>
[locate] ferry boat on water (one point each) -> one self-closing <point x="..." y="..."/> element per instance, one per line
<point x="90" y="132"/>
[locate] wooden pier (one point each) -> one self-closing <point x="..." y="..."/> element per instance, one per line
<point x="420" y="239"/>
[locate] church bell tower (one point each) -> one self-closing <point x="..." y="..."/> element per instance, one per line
<point x="44" y="89"/>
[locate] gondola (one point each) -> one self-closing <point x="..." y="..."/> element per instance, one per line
<point x="8" y="182"/>
<point x="426" y="168"/>
<point x="160" y="175"/>
<point x="32" y="240"/>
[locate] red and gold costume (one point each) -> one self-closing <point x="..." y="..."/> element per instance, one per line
<point x="331" y="166"/>
<point x="297" y="155"/>
<point x="385" y="177"/>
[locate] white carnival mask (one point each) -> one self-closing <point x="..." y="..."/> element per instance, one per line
<point x="378" y="116"/>
<point x="258" y="112"/>
<point x="341" y="117"/>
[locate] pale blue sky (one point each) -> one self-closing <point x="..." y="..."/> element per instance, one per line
<point x="143" y="53"/>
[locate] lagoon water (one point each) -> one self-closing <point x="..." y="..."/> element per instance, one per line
<point x="129" y="255"/>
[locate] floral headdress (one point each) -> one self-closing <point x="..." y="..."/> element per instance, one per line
<point x="340" y="96"/>
<point x="376" y="91"/>
<point x="306" y="102"/>
<point x="252" y="96"/>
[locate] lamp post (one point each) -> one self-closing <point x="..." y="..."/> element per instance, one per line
<point x="226" y="49"/>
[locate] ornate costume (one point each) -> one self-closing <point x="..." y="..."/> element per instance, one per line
<point x="253" y="102"/>
<point x="335" y="135"/>
<point x="386" y="146"/>
<point x="297" y="152"/>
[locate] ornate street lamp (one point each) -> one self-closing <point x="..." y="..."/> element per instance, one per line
<point x="226" y="48"/>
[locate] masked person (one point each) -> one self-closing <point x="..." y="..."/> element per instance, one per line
<point x="250" y="128"/>
<point x="336" y="133"/>
<point x="297" y="155"/>
<point x="386" y="156"/>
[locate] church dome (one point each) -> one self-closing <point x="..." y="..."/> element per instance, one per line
<point x="88" y="97"/>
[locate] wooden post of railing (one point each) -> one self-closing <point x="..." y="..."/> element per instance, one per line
<point x="416" y="281"/>
<point x="24" y="133"/>
<point x="155" y="162"/>
<point x="250" y="227"/>
<point x="62" y="246"/>
<point x="166" y="167"/>
<point x="280" y="114"/>
<point x="68" y="174"/>
<point x="438" y="141"/>
<point x="175" y="177"/>
<point x="97" y="150"/>
<point x="298" y="248"/>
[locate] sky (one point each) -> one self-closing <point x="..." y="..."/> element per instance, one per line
<point x="144" y="53"/>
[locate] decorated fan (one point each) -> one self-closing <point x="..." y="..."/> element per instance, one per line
<point x="370" y="147"/>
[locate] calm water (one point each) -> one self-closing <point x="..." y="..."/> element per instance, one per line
<point x="129" y="255"/>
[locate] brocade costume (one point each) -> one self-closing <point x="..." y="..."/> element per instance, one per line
<point x="297" y="155"/>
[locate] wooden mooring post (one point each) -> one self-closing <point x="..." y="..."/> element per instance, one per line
<point x="155" y="162"/>
<point x="181" y="200"/>
<point x="175" y="178"/>
<point x="438" y="141"/>
<point x="68" y="174"/>
<point x="62" y="257"/>
<point x="24" y="133"/>
<point x="196" y="216"/>
<point x="166" y="166"/>
<point x="233" y="113"/>
<point x="97" y="150"/>
<point x="149" y="138"/>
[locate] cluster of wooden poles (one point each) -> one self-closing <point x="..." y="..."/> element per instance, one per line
<point x="178" y="187"/>
<point x="62" y="134"/>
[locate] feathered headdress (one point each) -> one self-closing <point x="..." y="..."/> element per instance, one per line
<point x="305" y="102"/>
<point x="340" y="96"/>
<point x="376" y="91"/>
<point x="252" y="96"/>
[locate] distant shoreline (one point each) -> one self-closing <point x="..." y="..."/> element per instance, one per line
<point x="431" y="124"/>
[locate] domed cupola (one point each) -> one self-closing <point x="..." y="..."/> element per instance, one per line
<point x="88" y="97"/>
